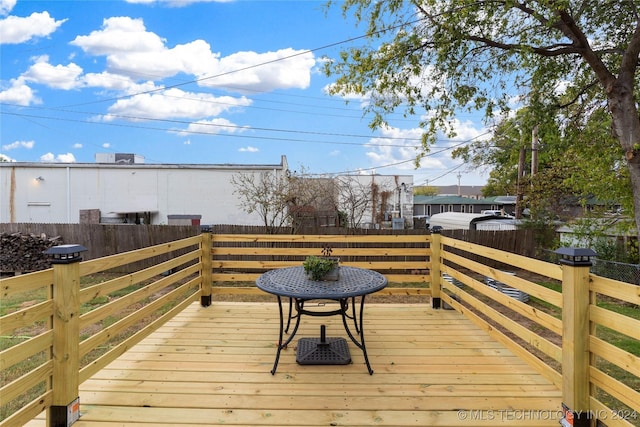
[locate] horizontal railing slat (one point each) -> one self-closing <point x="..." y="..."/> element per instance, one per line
<point x="323" y="238"/>
<point x="26" y="382"/>
<point x="12" y="286"/>
<point x="112" y="261"/>
<point x="553" y="271"/>
<point x="29" y="411"/>
<point x="623" y="291"/>
<point x="615" y="355"/>
<point x="26" y="317"/>
<point x="303" y="252"/>
<point x="269" y="265"/>
<point x="26" y="349"/>
<point x="615" y="388"/>
<point x="251" y="277"/>
<point x="616" y="321"/>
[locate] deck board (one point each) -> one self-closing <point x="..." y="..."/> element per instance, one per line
<point x="210" y="366"/>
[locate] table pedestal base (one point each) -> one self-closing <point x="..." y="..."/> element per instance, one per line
<point x="323" y="350"/>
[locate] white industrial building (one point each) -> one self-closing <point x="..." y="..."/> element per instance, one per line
<point x="124" y="191"/>
<point x="122" y="188"/>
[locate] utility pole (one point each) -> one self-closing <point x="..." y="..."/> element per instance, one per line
<point x="459" y="176"/>
<point x="519" y="195"/>
<point x="534" y="151"/>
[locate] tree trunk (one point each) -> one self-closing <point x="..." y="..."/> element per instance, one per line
<point x="626" y="125"/>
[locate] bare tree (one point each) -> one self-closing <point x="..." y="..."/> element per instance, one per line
<point x="354" y="198"/>
<point x="266" y="194"/>
<point x="285" y="199"/>
<point x="313" y="201"/>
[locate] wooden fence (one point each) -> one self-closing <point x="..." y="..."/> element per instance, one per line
<point x="576" y="341"/>
<point x="106" y="239"/>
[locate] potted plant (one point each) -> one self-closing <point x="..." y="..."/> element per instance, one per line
<point x="323" y="267"/>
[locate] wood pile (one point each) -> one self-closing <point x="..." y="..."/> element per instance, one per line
<point x="25" y="252"/>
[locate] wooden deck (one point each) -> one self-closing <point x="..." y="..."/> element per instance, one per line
<point x="210" y="367"/>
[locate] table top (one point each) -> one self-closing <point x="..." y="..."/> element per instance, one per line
<point x="293" y="282"/>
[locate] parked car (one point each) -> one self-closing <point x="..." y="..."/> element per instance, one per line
<point x="496" y="213"/>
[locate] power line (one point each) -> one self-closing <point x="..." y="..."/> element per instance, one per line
<point x="213" y="125"/>
<point x="249" y="67"/>
<point x="206" y="78"/>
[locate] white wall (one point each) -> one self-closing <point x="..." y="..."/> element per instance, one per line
<point x="160" y="189"/>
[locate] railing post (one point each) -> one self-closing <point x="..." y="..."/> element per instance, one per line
<point x="575" y="336"/>
<point x="205" y="285"/>
<point x="65" y="408"/>
<point x="436" y="286"/>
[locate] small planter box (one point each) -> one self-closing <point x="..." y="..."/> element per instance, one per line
<point x="314" y="265"/>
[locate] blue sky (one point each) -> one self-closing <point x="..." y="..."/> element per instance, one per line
<point x="211" y="82"/>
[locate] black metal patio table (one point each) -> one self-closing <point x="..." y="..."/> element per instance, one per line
<point x="293" y="283"/>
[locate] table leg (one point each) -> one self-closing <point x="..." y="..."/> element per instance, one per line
<point x="353" y="309"/>
<point x="289" y="319"/>
<point x="281" y="344"/>
<point x="359" y="326"/>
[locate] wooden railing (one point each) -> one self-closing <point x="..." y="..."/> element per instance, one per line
<point x="563" y="339"/>
<point x="75" y="331"/>
<point x="402" y="259"/>
<point x="560" y="335"/>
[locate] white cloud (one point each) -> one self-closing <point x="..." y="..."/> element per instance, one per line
<point x="248" y="149"/>
<point x="19" y="93"/>
<point x="59" y="76"/>
<point x="14" y="29"/>
<point x="133" y="51"/>
<point x="77" y="145"/>
<point x="120" y="35"/>
<point x="60" y="158"/>
<point x="6" y="6"/>
<point x="109" y="81"/>
<point x="18" y="144"/>
<point x="282" y="69"/>
<point x="106" y="145"/>
<point x="175" y="103"/>
<point x="467" y="130"/>
<point x="395" y="145"/>
<point x="213" y="126"/>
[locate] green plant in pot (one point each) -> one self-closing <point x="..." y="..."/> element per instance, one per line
<point x="323" y="267"/>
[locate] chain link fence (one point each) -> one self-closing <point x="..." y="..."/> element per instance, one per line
<point x="629" y="273"/>
<point x="624" y="272"/>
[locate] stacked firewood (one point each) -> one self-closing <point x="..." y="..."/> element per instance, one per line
<point x="25" y="252"/>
